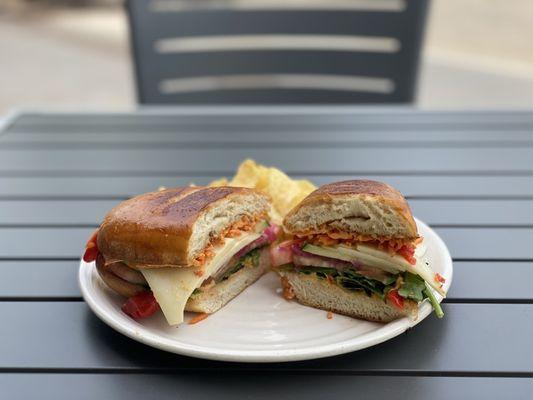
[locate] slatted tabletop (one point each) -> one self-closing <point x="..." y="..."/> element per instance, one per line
<point x="468" y="174"/>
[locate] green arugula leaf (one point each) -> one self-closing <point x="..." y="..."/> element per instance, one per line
<point x="412" y="287"/>
<point x="250" y="259"/>
<point x="286" y="267"/>
<point x="349" y="279"/>
<point x="322" y="272"/>
<point x="352" y="280"/>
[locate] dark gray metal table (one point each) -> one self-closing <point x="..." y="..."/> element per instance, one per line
<point x="468" y="174"/>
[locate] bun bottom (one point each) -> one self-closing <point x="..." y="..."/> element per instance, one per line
<point x="310" y="290"/>
<point x="213" y="299"/>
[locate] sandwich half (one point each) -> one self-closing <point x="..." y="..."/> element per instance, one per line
<point x="183" y="249"/>
<point x="356" y="251"/>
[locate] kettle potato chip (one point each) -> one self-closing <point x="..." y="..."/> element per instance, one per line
<point x="284" y="191"/>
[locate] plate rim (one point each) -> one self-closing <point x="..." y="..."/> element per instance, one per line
<point x="143" y="334"/>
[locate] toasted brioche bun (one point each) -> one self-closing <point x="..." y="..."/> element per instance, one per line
<point x="173" y="227"/>
<point x="360" y="207"/>
<point x="213" y="299"/>
<point x="316" y="292"/>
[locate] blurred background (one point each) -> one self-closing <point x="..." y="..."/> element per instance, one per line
<point x="63" y="54"/>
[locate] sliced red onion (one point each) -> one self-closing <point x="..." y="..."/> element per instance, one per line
<point x="272" y="232"/>
<point x="297" y="250"/>
<point x="323" y="262"/>
<point x="312" y="260"/>
<point x="304" y="258"/>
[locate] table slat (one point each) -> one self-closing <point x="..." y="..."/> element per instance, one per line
<point x="260" y="386"/>
<point x="35" y="280"/>
<point x="68" y="335"/>
<point x="472" y="282"/>
<point x="292" y="135"/>
<point x="340" y="160"/>
<point x="127" y="186"/>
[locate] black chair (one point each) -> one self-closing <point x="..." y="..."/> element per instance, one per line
<point x="276" y="51"/>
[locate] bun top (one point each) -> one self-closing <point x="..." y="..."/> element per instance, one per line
<point x="174" y="227"/>
<point x="361" y="207"/>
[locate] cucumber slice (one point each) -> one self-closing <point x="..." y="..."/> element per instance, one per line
<point x="371" y="260"/>
<point x="347" y="254"/>
<point x="383" y="255"/>
<point x="329" y="252"/>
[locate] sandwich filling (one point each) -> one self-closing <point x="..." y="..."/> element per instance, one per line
<point x="403" y="247"/>
<point x="244" y="225"/>
<point x="169" y="288"/>
<point x="396" y="272"/>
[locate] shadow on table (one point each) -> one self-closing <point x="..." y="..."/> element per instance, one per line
<point x="417" y="350"/>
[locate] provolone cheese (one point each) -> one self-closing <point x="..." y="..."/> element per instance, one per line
<point x="172" y="287"/>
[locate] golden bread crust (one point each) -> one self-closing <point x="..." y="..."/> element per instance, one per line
<point x="153" y="229"/>
<point x="312" y="291"/>
<point x="376" y="191"/>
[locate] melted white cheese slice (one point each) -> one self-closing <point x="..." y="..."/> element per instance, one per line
<point x="172" y="287"/>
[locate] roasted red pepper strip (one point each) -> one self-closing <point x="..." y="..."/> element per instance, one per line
<point x="395" y="299"/>
<point x="408" y="252"/>
<point x="91" y="248"/>
<point x="140" y="306"/>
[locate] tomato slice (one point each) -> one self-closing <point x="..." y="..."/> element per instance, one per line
<point x="91" y="248"/>
<point x="395" y="299"/>
<point x="90" y="253"/>
<point x="408" y="252"/>
<point x="140" y="306"/>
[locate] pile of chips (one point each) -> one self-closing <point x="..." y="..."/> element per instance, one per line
<point x="284" y="191"/>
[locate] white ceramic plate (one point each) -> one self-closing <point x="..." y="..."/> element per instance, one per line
<point x="260" y="325"/>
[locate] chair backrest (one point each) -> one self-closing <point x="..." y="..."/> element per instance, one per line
<point x="276" y="51"/>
